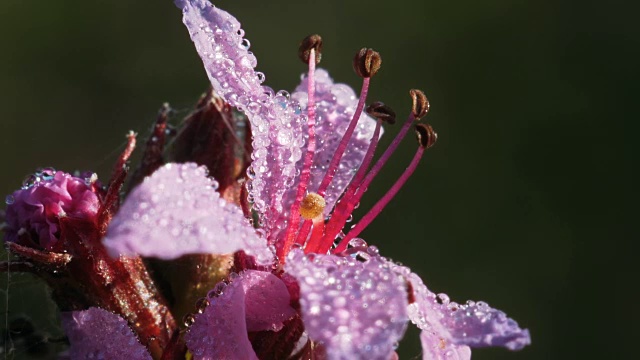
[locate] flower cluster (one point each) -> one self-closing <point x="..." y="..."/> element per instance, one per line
<point x="273" y="275"/>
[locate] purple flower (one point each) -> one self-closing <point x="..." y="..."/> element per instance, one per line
<point x="35" y="210"/>
<point x="300" y="287"/>
<point x="311" y="153"/>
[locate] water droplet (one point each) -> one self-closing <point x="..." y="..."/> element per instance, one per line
<point x="9" y="200"/>
<point x="442" y="298"/>
<point x="261" y="77"/>
<point x="245" y="44"/>
<point x="30" y="181"/>
<point x="188" y="320"/>
<point x="217" y="290"/>
<point x="201" y="304"/>
<point x="373" y="250"/>
<point x="356" y="242"/>
<point x="90" y="179"/>
<point x="48" y="173"/>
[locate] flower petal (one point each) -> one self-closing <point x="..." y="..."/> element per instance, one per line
<point x="335" y="106"/>
<point x="276" y="121"/>
<point x="177" y="211"/>
<point x="475" y="324"/>
<point x="436" y="348"/>
<point x="356" y="309"/>
<point x="254" y="301"/>
<point x="99" y="334"/>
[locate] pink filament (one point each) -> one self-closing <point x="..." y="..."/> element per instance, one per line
<point x="337" y="156"/>
<point x="305" y="174"/>
<point x="356" y="189"/>
<point x="339" y="216"/>
<point x="377" y="208"/>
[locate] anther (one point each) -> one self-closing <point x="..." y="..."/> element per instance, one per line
<point x="367" y="62"/>
<point x="312" y="206"/>
<point x="426" y="135"/>
<point x="381" y="111"/>
<point x="310" y="42"/>
<point x="420" y="103"/>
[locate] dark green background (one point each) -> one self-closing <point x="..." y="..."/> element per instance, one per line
<point x="526" y="202"/>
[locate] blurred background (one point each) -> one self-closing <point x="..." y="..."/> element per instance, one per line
<point x="526" y="201"/>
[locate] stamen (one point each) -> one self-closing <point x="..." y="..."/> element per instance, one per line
<point x="305" y="174"/>
<point x="427" y="138"/>
<point x="342" y="210"/>
<point x="420" y="103"/>
<point x="310" y="42"/>
<point x="366" y="63"/>
<point x="348" y="203"/>
<point x="357" y="189"/>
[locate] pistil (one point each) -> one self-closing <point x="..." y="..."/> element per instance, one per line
<point x="310" y="52"/>
<point x="366" y="63"/>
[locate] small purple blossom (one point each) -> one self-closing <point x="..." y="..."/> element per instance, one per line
<point x="45" y="197"/>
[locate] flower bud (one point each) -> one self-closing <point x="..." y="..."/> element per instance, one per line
<point x="33" y="212"/>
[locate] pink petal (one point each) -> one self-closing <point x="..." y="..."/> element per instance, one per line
<point x="436" y="348"/>
<point x="177" y="211"/>
<point x="254" y="301"/>
<point x="99" y="334"/>
<point x="475" y="324"/>
<point x="276" y="121"/>
<point x="356" y="309"/>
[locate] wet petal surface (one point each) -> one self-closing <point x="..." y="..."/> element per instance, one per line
<point x="436" y="348"/>
<point x="177" y="211"/>
<point x="99" y="334"/>
<point x="253" y="301"/>
<point x="276" y="121"/>
<point x="356" y="309"/>
<point x="475" y="324"/>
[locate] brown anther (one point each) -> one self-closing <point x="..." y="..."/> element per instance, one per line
<point x="381" y="111"/>
<point x="310" y="42"/>
<point x="426" y="135"/>
<point x="367" y="62"/>
<point x="312" y="206"/>
<point x="420" y="103"/>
